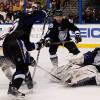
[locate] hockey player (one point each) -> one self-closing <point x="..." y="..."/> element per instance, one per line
<point x="82" y="70"/>
<point x="58" y="34"/>
<point x="15" y="48"/>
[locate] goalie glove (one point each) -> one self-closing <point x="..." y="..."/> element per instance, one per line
<point x="77" y="37"/>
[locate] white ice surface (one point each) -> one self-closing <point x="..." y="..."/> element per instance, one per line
<point x="45" y="89"/>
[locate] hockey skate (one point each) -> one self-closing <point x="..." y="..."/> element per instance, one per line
<point x="14" y="92"/>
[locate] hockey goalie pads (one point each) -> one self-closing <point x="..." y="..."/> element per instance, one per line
<point x="77" y="59"/>
<point x="73" y="74"/>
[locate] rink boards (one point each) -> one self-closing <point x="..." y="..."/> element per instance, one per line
<point x="90" y="34"/>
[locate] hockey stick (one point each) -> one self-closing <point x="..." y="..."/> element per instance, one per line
<point x="45" y="21"/>
<point x="48" y="72"/>
<point x="61" y="81"/>
<point x="63" y="42"/>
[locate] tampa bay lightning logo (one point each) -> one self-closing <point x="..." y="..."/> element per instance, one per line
<point x="63" y="35"/>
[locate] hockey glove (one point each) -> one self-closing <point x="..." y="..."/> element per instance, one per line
<point x="78" y="38"/>
<point x="33" y="62"/>
<point x="42" y="41"/>
<point x="47" y="42"/>
<point x="38" y="46"/>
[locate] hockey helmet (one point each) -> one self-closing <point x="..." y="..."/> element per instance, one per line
<point x="58" y="13"/>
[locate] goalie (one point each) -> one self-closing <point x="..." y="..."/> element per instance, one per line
<point x="81" y="70"/>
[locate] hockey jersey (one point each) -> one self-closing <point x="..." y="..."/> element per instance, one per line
<point x="60" y="31"/>
<point x="23" y="29"/>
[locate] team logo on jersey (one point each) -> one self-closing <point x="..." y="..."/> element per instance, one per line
<point x="63" y="35"/>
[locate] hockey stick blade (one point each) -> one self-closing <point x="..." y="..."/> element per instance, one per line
<point x="48" y="72"/>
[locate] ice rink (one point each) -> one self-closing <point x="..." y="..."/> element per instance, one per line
<point x="44" y="88"/>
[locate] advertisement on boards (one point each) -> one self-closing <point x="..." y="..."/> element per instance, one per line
<point x="90" y="34"/>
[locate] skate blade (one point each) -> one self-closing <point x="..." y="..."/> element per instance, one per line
<point x="12" y="97"/>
